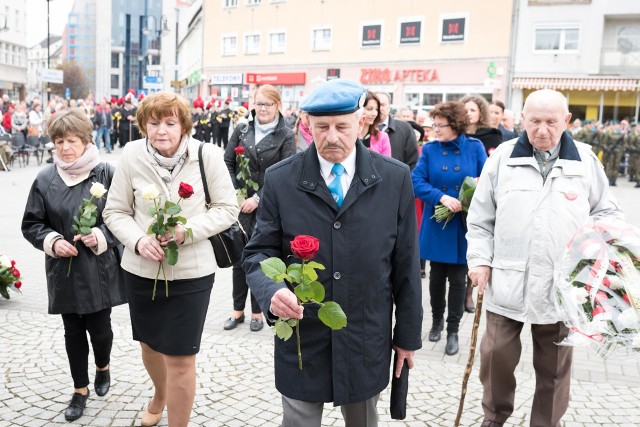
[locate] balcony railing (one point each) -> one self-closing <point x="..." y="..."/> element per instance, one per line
<point x="615" y="61"/>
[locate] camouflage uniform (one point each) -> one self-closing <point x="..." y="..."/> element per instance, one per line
<point x="632" y="142"/>
<point x="612" y="142"/>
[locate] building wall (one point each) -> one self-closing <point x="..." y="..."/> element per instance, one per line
<point x="37" y="60"/>
<point x="13" y="51"/>
<point x="405" y="70"/>
<point x="588" y="17"/>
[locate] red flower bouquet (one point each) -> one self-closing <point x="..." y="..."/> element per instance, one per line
<point x="303" y="280"/>
<point x="9" y="276"/>
<point x="597" y="291"/>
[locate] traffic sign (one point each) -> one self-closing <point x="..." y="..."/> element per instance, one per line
<point x="51" y="76"/>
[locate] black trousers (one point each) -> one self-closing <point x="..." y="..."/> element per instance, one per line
<point x="223" y="136"/>
<point x="457" y="275"/>
<point x="240" y="290"/>
<point x="76" y="327"/>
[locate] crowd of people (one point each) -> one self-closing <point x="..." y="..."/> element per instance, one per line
<point x="344" y="164"/>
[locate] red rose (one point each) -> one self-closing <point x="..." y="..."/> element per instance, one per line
<point x="625" y="297"/>
<point x="13" y="263"/>
<point x="596" y="311"/>
<point x="185" y="191"/>
<point x="305" y="247"/>
<point x="18" y="285"/>
<point x="16" y="273"/>
<point x="239" y="151"/>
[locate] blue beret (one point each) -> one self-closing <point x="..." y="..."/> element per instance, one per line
<point x="335" y="97"/>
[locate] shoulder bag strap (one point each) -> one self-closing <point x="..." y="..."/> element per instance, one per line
<point x="207" y="198"/>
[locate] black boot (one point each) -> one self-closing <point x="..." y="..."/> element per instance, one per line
<point x="436" y="330"/>
<point x="612" y="181"/>
<point x="452" y="344"/>
<point x="637" y="184"/>
<point x="76" y="406"/>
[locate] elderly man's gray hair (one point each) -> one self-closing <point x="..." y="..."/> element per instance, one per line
<point x="547" y="96"/>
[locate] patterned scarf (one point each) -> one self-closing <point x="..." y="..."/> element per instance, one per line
<point x="169" y="163"/>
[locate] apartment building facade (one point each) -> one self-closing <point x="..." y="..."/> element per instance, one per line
<point x="588" y="49"/>
<point x="13" y="50"/>
<point x="421" y="52"/>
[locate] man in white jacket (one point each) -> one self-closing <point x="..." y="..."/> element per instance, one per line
<point x="533" y="194"/>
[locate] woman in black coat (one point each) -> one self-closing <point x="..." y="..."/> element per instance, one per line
<point x="263" y="142"/>
<point x="84" y="294"/>
<point x="480" y="128"/>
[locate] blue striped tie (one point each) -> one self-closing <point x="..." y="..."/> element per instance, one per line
<point x="336" y="185"/>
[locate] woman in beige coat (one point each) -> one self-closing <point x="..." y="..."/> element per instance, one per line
<point x="169" y="328"/>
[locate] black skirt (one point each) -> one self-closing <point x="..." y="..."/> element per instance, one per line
<point x="171" y="326"/>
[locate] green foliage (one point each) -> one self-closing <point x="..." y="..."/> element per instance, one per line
<point x="331" y="314"/>
<point x="308" y="290"/>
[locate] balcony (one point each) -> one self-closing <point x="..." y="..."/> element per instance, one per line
<point x="617" y="62"/>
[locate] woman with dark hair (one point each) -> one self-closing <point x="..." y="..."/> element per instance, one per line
<point x="437" y="178"/>
<point x="169" y="327"/>
<point x="479" y="127"/>
<point x="84" y="294"/>
<point x="371" y="136"/>
<point x="264" y="141"/>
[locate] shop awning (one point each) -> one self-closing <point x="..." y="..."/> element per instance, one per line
<point x="580" y="83"/>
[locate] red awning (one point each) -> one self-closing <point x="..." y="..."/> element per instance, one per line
<point x="581" y="83"/>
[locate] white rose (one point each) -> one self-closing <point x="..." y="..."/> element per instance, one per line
<point x="5" y="262"/>
<point x="97" y="190"/>
<point x="150" y="192"/>
<point x="628" y="319"/>
<point x="581" y="295"/>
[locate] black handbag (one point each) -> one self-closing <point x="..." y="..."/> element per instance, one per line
<point x="228" y="244"/>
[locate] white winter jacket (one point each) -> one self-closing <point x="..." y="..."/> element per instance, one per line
<point x="519" y="225"/>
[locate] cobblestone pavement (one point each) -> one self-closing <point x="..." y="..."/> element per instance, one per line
<point x="235" y="371"/>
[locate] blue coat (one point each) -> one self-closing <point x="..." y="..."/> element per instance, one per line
<point x="441" y="170"/>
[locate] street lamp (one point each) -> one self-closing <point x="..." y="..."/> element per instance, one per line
<point x="48" y="52"/>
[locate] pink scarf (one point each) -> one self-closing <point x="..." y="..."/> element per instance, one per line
<point x="306" y="133"/>
<point x="82" y="165"/>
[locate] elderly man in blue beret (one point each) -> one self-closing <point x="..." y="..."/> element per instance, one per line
<point x="360" y="205"/>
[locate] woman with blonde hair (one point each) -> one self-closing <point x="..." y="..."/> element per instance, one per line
<point x="169" y="327"/>
<point x="264" y="141"/>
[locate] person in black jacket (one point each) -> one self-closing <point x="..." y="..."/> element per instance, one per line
<point x="404" y="146"/>
<point x="84" y="295"/>
<point x="265" y="140"/>
<point x="368" y="246"/>
<point x="224" y="120"/>
<point x="480" y="128"/>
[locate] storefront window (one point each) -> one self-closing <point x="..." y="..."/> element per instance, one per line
<point x="230" y="3"/>
<point x="431" y="99"/>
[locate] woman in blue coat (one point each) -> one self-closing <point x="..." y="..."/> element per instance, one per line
<point x="437" y="178"/>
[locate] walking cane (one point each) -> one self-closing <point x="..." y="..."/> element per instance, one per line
<point x="472" y="353"/>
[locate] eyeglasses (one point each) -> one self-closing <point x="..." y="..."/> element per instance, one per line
<point x="439" y="126"/>
<point x="267" y="105"/>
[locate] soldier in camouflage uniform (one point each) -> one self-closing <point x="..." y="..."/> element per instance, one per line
<point x="612" y="141"/>
<point x="633" y="147"/>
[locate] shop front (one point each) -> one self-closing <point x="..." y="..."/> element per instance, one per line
<point x="592" y="98"/>
<point x="291" y="85"/>
<point x="228" y="85"/>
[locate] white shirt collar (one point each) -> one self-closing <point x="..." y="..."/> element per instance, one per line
<point x="349" y="166"/>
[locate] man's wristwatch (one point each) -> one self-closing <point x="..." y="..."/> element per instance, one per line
<point x="256" y="197"/>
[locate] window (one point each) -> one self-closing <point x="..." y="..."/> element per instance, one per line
<point x="115" y="60"/>
<point x="115" y="81"/>
<point x="277" y="42"/>
<point x="229" y="3"/>
<point x="321" y="39"/>
<point x="253" y="2"/>
<point x="251" y="44"/>
<point x="557" y="39"/>
<point x="229" y="45"/>
<point x="629" y="38"/>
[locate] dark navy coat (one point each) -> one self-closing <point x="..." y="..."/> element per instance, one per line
<point x="441" y="170"/>
<point x="369" y="249"/>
